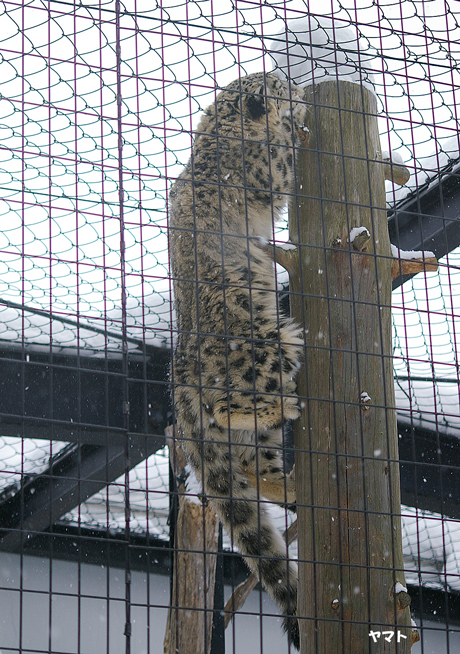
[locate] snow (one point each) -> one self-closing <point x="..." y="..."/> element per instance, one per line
<point x="426" y="405"/>
<point x="148" y="500"/>
<point x="318" y="49"/>
<point x="409" y="255"/>
<point x="282" y="278"/>
<point x="26" y="456"/>
<point x="399" y="588"/>
<point x="286" y="246"/>
<point x="193" y="487"/>
<point x="394" y="157"/>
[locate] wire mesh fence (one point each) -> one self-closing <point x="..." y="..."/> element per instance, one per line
<point x="100" y="103"/>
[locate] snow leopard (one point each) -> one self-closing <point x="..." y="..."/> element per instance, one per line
<point x="235" y="358"/>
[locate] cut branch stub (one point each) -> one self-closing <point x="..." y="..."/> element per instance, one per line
<point x="396" y="172"/>
<point x="402" y="267"/>
<point x="304" y="136"/>
<point x="403" y="600"/>
<point x="359" y="238"/>
<point x="285" y="254"/>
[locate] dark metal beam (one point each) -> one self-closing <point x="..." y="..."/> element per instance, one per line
<point x="79" y="399"/>
<point x="104" y="547"/>
<point x="60" y="431"/>
<point x="429" y="470"/>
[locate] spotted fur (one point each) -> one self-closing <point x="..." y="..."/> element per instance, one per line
<point x="235" y="360"/>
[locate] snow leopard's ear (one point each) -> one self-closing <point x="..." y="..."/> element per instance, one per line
<point x="255" y="104"/>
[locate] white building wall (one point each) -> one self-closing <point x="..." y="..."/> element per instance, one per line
<point x="60" y="606"/>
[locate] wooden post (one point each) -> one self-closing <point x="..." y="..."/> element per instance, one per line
<point x="351" y="580"/>
<point x="190" y="616"/>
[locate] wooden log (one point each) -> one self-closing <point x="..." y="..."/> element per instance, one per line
<point x="347" y="471"/>
<point x="190" y="616"/>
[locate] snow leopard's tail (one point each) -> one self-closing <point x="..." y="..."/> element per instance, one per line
<point x="264" y="551"/>
<point x="247" y="521"/>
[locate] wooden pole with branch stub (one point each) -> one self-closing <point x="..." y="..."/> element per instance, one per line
<point x="190" y="616"/>
<point x="351" y="578"/>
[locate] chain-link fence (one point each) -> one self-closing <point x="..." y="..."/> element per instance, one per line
<point x="99" y="103"/>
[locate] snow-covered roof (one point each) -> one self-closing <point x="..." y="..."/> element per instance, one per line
<point x="431" y="542"/>
<point x="425" y="313"/>
<point x="148" y="321"/>
<point x="432" y="405"/>
<point x="425" y="310"/>
<point x="427" y="171"/>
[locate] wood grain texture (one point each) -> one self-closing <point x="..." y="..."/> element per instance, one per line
<point x="190" y="616"/>
<point x="347" y="472"/>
